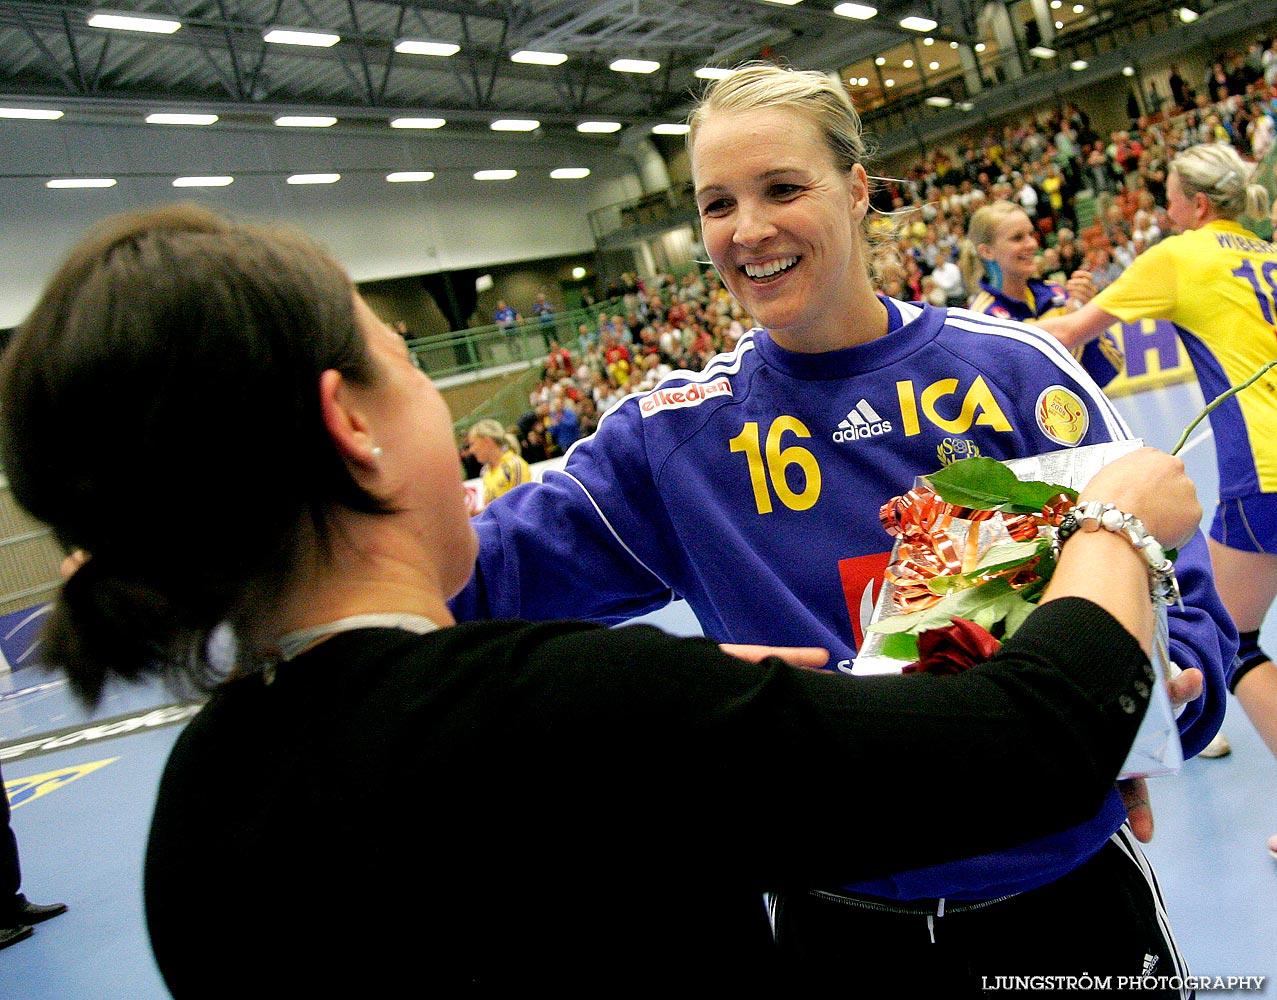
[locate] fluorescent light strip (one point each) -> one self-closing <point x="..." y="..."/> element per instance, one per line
<point x="418" y="122"/>
<point x="1078" y="65"/>
<point x="31" y="114"/>
<point x="515" y="125"/>
<point x="495" y="175"/>
<point x="1042" y="52"/>
<point x="634" y="66"/>
<point x="81" y="182"/>
<point x="291" y="36"/>
<point x="202" y="182"/>
<point x="939" y="101"/>
<point x="570" y="173"/>
<point x="535" y="58"/>
<point x="859" y="11"/>
<point x="314" y="178"/>
<point x="133" y="22"/>
<point x="410" y="176"/>
<point x="599" y="127"/>
<point x="918" y="23"/>
<point x="305" y="121"/>
<point x="164" y="118"/>
<point x="671" y="128"/>
<point x="712" y="73"/>
<point x="421" y="47"/>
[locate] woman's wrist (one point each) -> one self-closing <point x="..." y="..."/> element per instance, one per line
<point x="1095" y="515"/>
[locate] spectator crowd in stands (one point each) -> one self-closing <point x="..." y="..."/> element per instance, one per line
<point x="1047" y="165"/>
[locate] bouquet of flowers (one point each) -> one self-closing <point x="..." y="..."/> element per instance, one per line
<point x="972" y="555"/>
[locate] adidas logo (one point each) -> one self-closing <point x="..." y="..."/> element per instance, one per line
<point x="860" y="423"/>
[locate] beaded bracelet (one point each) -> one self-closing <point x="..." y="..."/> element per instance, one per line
<point x="1094" y="515"/>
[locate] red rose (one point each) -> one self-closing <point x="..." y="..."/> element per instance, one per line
<point x="953" y="649"/>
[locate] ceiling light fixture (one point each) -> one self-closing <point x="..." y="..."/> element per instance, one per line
<point x="1078" y="65"/>
<point x="671" y="128"/>
<point x="296" y="36"/>
<point x="859" y="11"/>
<point x="536" y="58"/>
<point x="1042" y="52"/>
<point x="939" y="101"/>
<point x="915" y="23"/>
<point x="422" y="47"/>
<point x="515" y="125"/>
<point x="1187" y="15"/>
<point x="133" y="22"/>
<point x="202" y="182"/>
<point x="314" y="178"/>
<point x="713" y="73"/>
<point x="1128" y="70"/>
<point x="495" y="175"/>
<point x="634" y="66"/>
<point x="410" y="176"/>
<point x="570" y="173"/>
<point x="599" y="127"/>
<point x="81" y="182"/>
<point x="305" y="121"/>
<point x="31" y="114"/>
<point x="166" y="118"/>
<point x="418" y="122"/>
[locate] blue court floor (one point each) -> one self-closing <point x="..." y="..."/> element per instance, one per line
<point x="82" y="790"/>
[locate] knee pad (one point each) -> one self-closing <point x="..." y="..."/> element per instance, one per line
<point x="1249" y="656"/>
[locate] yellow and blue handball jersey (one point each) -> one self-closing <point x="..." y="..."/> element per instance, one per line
<point x="508" y="473"/>
<point x="1218" y="285"/>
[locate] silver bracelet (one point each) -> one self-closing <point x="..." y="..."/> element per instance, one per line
<point x="1094" y="515"/>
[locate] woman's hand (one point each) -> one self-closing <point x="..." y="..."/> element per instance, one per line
<point x="1081" y="288"/>
<point x="809" y="657"/>
<point x="1154" y="487"/>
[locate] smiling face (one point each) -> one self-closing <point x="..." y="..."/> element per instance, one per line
<point x="1014" y="248"/>
<point x="781" y="224"/>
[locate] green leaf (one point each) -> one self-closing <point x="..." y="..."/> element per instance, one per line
<point x="1008" y="556"/>
<point x="986" y="605"/>
<point x="945" y="585"/>
<point x="1016" y="613"/>
<point x="901" y="646"/>
<point x="982" y="483"/>
<point x="987" y="484"/>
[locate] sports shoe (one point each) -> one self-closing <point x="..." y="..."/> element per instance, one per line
<point x="1272" y="845"/>
<point x="1218" y="747"/>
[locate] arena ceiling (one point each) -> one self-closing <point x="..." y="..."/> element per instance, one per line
<point x="218" y="61"/>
